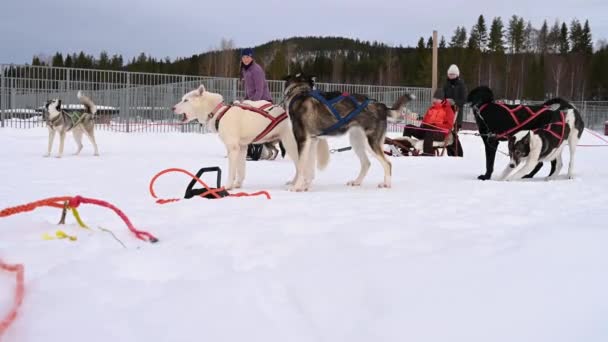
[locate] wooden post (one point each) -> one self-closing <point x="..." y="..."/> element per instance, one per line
<point x="434" y="80"/>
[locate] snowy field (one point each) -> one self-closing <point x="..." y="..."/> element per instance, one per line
<point x="439" y="257"/>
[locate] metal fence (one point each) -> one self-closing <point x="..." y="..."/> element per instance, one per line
<point x="140" y="102"/>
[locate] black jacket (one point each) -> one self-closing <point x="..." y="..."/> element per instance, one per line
<point x="456" y="90"/>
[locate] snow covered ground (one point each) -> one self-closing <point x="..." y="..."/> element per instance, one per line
<point x="439" y="257"/>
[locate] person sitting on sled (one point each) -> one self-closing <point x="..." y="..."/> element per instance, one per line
<point x="436" y="124"/>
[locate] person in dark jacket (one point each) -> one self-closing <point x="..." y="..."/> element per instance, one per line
<point x="456" y="90"/>
<point x="256" y="88"/>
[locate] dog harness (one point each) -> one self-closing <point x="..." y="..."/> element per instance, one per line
<point x="263" y="111"/>
<point x="552" y="127"/>
<point x="75" y="117"/>
<point x="330" y="104"/>
<point x="518" y="124"/>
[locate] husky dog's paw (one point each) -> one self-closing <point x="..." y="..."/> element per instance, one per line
<point x="384" y="185"/>
<point x="58" y="156"/>
<point x="353" y="183"/>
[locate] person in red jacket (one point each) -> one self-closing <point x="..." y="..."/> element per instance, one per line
<point x="436" y="124"/>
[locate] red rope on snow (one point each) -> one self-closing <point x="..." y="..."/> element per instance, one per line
<point x="210" y="191"/>
<point x="74" y="202"/>
<point x="19" y="294"/>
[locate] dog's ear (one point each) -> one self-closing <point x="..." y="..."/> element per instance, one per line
<point x="526" y="139"/>
<point x="201" y="90"/>
<point x="58" y="105"/>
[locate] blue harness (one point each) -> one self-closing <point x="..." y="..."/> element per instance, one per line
<point x="330" y="104"/>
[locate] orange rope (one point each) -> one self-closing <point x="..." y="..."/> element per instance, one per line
<point x="55" y="202"/>
<point x="210" y="191"/>
<point x="19" y="294"/>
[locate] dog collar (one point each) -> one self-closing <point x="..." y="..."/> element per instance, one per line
<point x="220" y="115"/>
<point x="214" y="111"/>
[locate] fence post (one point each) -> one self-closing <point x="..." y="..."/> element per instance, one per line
<point x="182" y="92"/>
<point x="234" y="88"/>
<point x="2" y="98"/>
<point x="128" y="102"/>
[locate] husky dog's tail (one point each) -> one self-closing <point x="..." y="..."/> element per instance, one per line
<point x="322" y="154"/>
<point x="559" y="104"/>
<point x="89" y="105"/>
<point x="402" y="101"/>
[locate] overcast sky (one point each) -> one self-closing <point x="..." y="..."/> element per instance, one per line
<point x="177" y="28"/>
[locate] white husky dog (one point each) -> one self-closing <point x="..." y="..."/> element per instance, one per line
<point x="239" y="125"/>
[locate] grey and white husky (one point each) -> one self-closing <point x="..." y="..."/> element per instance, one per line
<point x="311" y="119"/>
<point x="77" y="121"/>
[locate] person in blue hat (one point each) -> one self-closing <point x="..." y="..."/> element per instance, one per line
<point x="254" y="78"/>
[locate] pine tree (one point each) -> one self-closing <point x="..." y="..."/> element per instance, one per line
<point x="564" y="46"/>
<point x="473" y="39"/>
<point x="530" y="38"/>
<point x="543" y="38"/>
<point x="481" y="33"/>
<point x="553" y="38"/>
<point x="496" y="43"/>
<point x="420" y="43"/>
<point x="576" y="32"/>
<point x="57" y="60"/>
<point x="68" y="63"/>
<point x="459" y="39"/>
<point x="516" y="34"/>
<point x="442" y="43"/>
<point x="586" y="40"/>
<point x="429" y="43"/>
<point x="104" y="61"/>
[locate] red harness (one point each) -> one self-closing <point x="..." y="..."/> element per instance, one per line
<point x="512" y="111"/>
<point x="547" y="128"/>
<point x="274" y="122"/>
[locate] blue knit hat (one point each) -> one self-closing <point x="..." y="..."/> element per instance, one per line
<point x="247" y="52"/>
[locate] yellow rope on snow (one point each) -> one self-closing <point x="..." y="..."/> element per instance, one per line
<point x="78" y="219"/>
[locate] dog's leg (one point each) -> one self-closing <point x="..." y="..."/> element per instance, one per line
<point x="91" y="135"/>
<point x="376" y="147"/>
<point x="535" y="171"/>
<point x="572" y="142"/>
<point x="77" y="133"/>
<point x="558" y="164"/>
<point x="309" y="175"/>
<point x="233" y="160"/>
<point x="491" y="145"/>
<point x="508" y="169"/>
<point x="358" y="141"/>
<point x="303" y="160"/>
<point x="241" y="166"/>
<point x="51" y="138"/>
<point x="291" y="149"/>
<point x="61" y="143"/>
<point x="553" y="166"/>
